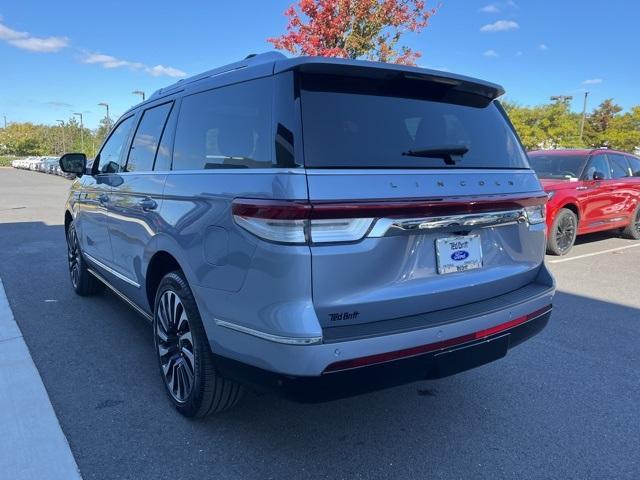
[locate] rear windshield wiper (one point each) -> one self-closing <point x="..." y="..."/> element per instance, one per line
<point x="445" y="152"/>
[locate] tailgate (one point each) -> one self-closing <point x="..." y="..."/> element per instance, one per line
<point x="393" y="271"/>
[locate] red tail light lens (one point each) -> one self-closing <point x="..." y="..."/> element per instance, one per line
<point x="300" y="222"/>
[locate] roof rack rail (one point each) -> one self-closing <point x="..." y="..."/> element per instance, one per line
<point x="249" y="60"/>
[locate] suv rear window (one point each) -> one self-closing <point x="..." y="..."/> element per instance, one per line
<point x="400" y="123"/>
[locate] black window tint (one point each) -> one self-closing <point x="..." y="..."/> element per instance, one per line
<point x="598" y="164"/>
<point x="619" y="166"/>
<point x="109" y="161"/>
<point x="229" y="127"/>
<point x="400" y="123"/>
<point x="635" y="165"/>
<point x="145" y="143"/>
<point x="549" y="165"/>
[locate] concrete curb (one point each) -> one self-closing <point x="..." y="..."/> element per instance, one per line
<point x="32" y="444"/>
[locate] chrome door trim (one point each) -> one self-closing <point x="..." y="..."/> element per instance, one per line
<point x="395" y="226"/>
<point x="268" y="336"/>
<point x="147" y="317"/>
<point x="111" y="271"/>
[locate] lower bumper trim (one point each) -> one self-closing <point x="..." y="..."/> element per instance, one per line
<point x="446" y="361"/>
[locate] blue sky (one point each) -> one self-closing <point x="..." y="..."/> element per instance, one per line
<point x="62" y="57"/>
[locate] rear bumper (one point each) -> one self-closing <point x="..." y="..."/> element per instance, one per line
<point x="352" y="343"/>
<point x="437" y="363"/>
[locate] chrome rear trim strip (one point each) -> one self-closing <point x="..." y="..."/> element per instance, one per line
<point x="268" y="336"/>
<point x="147" y="317"/>
<point x="394" y="226"/>
<point x="111" y="271"/>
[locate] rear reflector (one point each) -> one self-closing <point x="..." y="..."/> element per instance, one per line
<point x="432" y="347"/>
<point x="300" y="222"/>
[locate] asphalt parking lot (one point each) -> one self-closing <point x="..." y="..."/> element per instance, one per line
<point x="563" y="405"/>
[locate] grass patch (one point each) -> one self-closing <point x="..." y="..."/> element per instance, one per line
<point x="5" y="160"/>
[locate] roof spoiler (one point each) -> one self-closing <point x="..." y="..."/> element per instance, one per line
<point x="332" y="66"/>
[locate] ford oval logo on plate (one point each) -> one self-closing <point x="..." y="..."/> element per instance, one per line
<point x="459" y="255"/>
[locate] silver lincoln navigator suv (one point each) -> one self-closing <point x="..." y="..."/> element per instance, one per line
<point x="318" y="227"/>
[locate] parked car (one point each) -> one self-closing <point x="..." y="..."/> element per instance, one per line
<point x="398" y="236"/>
<point x="589" y="191"/>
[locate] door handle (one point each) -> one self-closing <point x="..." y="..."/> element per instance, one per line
<point x="103" y="198"/>
<point x="148" y="204"/>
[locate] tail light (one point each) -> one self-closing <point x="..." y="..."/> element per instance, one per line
<point x="294" y="222"/>
<point x="536" y="213"/>
<point x="304" y="222"/>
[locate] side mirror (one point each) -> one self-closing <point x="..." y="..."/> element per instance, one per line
<point x="598" y="175"/>
<point x="74" y="163"/>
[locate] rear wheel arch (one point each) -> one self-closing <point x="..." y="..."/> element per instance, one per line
<point x="161" y="263"/>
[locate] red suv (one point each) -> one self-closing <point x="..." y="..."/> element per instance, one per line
<point x="589" y="191"/>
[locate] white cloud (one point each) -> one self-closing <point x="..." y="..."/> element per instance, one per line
<point x="500" y="26"/>
<point x="109" y="61"/>
<point x="592" y="81"/>
<point x="491" y="8"/>
<point x="491" y="53"/>
<point x="543" y="47"/>
<point x="160" y="70"/>
<point x="26" y="41"/>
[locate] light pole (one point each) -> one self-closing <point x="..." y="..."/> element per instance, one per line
<point x="64" y="148"/>
<point x="139" y="92"/>
<point x="81" y="131"/>
<point x="5" y="121"/>
<point x="106" y="105"/>
<point x="584" y="114"/>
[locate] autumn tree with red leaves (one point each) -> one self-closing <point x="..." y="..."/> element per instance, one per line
<point x="368" y="29"/>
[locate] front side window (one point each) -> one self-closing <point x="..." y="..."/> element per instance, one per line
<point x="619" y="166"/>
<point x="598" y="164"/>
<point x="145" y="142"/>
<point x="109" y="157"/>
<point x="228" y="127"/>
<point x="634" y="163"/>
<point x="401" y="123"/>
<point x="549" y="165"/>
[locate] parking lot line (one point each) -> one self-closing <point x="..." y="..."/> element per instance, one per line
<point x="32" y="444"/>
<point x="593" y="254"/>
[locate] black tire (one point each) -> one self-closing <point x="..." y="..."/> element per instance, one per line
<point x="562" y="234"/>
<point x="184" y="356"/>
<point x="632" y="230"/>
<point x="83" y="283"/>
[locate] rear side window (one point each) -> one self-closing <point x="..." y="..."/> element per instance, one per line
<point x="619" y="166"/>
<point x="145" y="143"/>
<point x="634" y="163"/>
<point x="228" y="127"/>
<point x="109" y="157"/>
<point x="372" y="123"/>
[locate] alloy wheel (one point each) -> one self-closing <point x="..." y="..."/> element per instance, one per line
<point x="73" y="252"/>
<point x="637" y="222"/>
<point x="175" y="346"/>
<point x="565" y="233"/>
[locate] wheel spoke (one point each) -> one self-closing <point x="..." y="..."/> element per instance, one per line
<point x="189" y="358"/>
